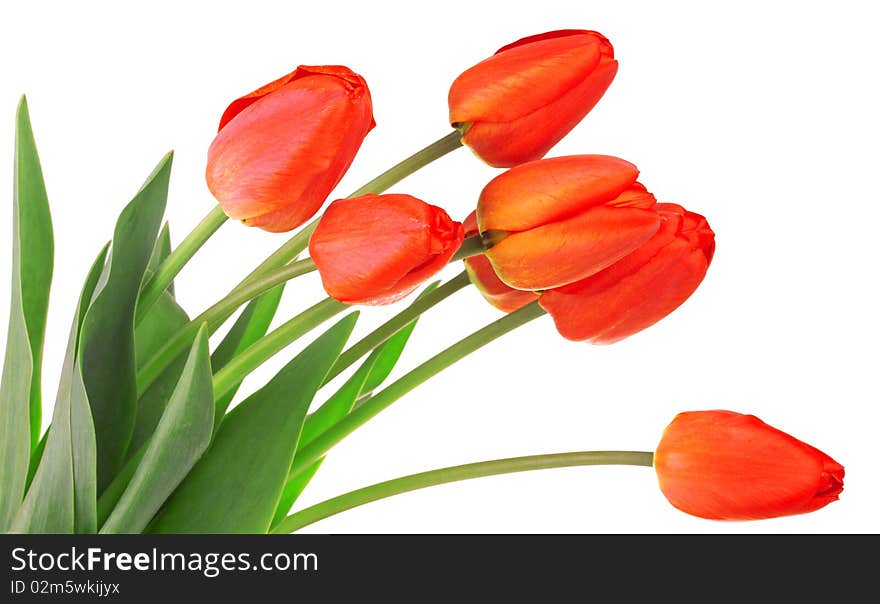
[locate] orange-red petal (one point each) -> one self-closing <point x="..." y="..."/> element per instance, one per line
<point x="376" y="249"/>
<point x="523" y="78"/>
<point x="568" y="250"/>
<point x="282" y="149"/>
<point x="530" y="94"/>
<point x="482" y="275"/>
<point x="641" y="288"/>
<point x="547" y="190"/>
<point x="724" y="465"/>
<point x="507" y="144"/>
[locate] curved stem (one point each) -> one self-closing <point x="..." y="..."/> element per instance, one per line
<point x="272" y="343"/>
<point x="359" y="416"/>
<point x="411" y="164"/>
<point x="385" y="331"/>
<point x="214" y="317"/>
<point x="182" y="254"/>
<point x="422" y="480"/>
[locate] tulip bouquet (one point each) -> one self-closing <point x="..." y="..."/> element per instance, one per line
<point x="145" y="433"/>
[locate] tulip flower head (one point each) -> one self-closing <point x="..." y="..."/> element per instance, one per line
<point x="641" y="288"/>
<point x="525" y="98"/>
<point x="555" y="221"/>
<point x="483" y="276"/>
<point x="376" y="249"/>
<point x="724" y="465"/>
<point x="281" y="149"/>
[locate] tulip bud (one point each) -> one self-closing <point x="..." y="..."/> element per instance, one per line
<point x="640" y="289"/>
<point x="555" y="221"/>
<point x="521" y="101"/>
<point x="281" y="149"/>
<point x="376" y="249"/>
<point x="724" y="465"/>
<point x="483" y="276"/>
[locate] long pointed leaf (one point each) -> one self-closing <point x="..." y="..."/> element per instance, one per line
<point x="107" y="349"/>
<point x="333" y="409"/>
<point x="36" y="457"/>
<point x="235" y="486"/>
<point x="369" y="376"/>
<point x="37" y="251"/>
<point x="61" y="497"/>
<point x="181" y="437"/>
<point x="161" y="250"/>
<point x="161" y="322"/>
<point x="32" y="257"/>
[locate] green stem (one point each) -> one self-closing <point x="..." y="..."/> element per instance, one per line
<point x="214" y="317"/>
<point x="359" y="416"/>
<point x="177" y="259"/>
<point x="270" y="344"/>
<point x="472" y="246"/>
<point x="381" y="334"/>
<point x="411" y="164"/>
<point x="422" y="480"/>
<point x="296" y="244"/>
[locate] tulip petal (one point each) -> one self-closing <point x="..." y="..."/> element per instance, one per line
<point x="241" y="103"/>
<point x="522" y="78"/>
<point x="376" y="249"/>
<point x="507" y="144"/>
<point x="548" y="190"/>
<point x="728" y="466"/>
<point x="286" y="147"/>
<point x="633" y="303"/>
<point x="494" y="290"/>
<point x="566" y="251"/>
<point x="641" y="288"/>
<point x="482" y="275"/>
<point x="558" y="33"/>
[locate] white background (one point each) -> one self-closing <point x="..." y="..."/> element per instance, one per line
<point x="762" y="116"/>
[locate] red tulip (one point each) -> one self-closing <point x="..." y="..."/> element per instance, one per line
<point x="483" y="276"/>
<point x="555" y="221"/>
<point x="640" y="289"/>
<point x="376" y="249"/>
<point x="281" y="149"/>
<point x="728" y="466"/>
<point x="527" y="96"/>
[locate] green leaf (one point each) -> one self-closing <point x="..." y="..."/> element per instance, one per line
<point x="333" y="409"/>
<point x="162" y="321"/>
<point x="387" y="356"/>
<point x="107" y="349"/>
<point x="181" y="437"/>
<point x="34" y="229"/>
<point x="32" y="257"/>
<point x="61" y="497"/>
<point x="369" y="376"/>
<point x="161" y="251"/>
<point x="235" y="486"/>
<point x="251" y="325"/>
<point x="293" y="488"/>
<point x="36" y="457"/>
